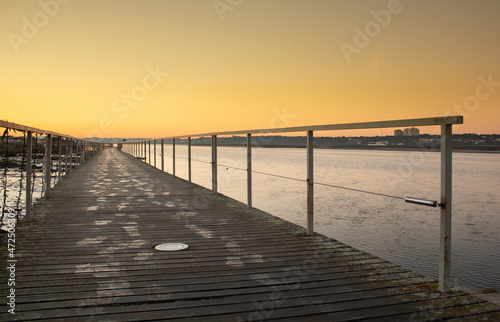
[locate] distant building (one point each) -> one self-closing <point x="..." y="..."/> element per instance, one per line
<point x="413" y="131"/>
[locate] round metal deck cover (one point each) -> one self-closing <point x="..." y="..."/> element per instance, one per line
<point x="171" y="247"/>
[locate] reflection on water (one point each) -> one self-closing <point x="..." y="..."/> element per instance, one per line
<point x="13" y="185"/>
<point x="402" y="233"/>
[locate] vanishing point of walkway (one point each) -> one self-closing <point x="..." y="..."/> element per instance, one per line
<point x="88" y="255"/>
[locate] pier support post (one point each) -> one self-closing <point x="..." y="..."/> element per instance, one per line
<point x="445" y="225"/>
<point x="214" y="164"/>
<point x="149" y="152"/>
<point x="162" y="155"/>
<point x="28" y="175"/>
<point x="77" y="153"/>
<point x="173" y="157"/>
<point x="249" y="170"/>
<point x="66" y="149"/>
<point x="154" y="150"/>
<point x="310" y="182"/>
<point x="59" y="161"/>
<point x="144" y="143"/>
<point x="78" y="149"/>
<point x="70" y="152"/>
<point x="47" y="165"/>
<point x="189" y="159"/>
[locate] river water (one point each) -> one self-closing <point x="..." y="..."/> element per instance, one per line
<point x="405" y="234"/>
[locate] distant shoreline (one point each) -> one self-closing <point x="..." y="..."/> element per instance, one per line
<point x="463" y="149"/>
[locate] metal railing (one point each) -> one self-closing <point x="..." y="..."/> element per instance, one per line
<point x="139" y="149"/>
<point x="70" y="153"/>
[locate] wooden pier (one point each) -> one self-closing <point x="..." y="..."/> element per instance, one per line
<point x="88" y="255"/>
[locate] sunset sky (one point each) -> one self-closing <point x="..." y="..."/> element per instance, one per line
<point x="155" y="68"/>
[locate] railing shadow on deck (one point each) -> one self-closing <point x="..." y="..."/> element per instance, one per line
<point x="141" y="149"/>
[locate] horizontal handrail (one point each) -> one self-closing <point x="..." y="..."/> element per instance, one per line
<point x="20" y="127"/>
<point x="329" y="127"/>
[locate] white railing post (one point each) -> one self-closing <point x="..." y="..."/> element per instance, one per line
<point x="189" y="159"/>
<point x="214" y="164"/>
<point x="446" y="203"/>
<point x="173" y="157"/>
<point x="28" y="176"/>
<point x="310" y="183"/>
<point x="162" y="155"/>
<point x="144" y="143"/>
<point x="249" y="170"/>
<point x="47" y="165"/>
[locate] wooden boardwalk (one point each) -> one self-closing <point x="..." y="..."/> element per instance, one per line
<point x="88" y="255"/>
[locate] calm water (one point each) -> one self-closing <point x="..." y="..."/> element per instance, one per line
<point x="403" y="233"/>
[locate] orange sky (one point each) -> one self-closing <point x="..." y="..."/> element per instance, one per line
<point x="157" y="68"/>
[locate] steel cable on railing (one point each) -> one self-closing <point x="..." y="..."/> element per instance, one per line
<point x="302" y="180"/>
<point x="318" y="183"/>
<point x="13" y="183"/>
<point x="231" y="167"/>
<point x="278" y="176"/>
<point x="259" y="172"/>
<point x="201" y="161"/>
<point x="359" y="190"/>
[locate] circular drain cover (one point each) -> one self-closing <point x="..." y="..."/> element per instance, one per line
<point x="171" y="247"/>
